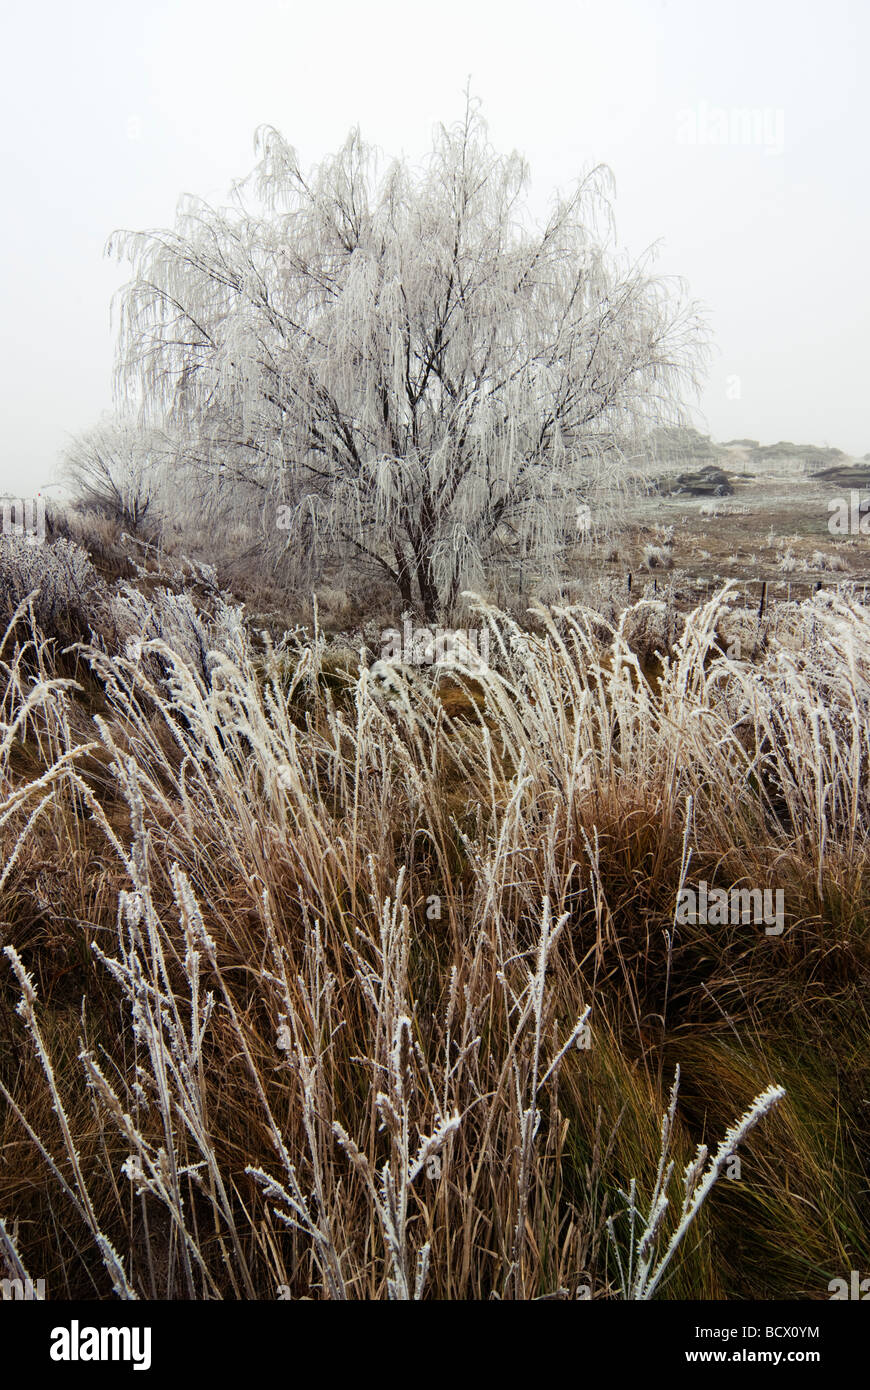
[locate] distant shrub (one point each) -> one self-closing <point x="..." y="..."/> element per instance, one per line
<point x="820" y="561"/>
<point x="658" y="557"/>
<point x="116" y="468"/>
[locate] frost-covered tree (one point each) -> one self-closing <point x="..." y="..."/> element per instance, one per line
<point x="116" y="467"/>
<point x="409" y="369"/>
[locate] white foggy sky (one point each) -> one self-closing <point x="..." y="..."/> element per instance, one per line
<point x="774" y="244"/>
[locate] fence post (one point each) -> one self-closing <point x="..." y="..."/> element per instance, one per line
<point x="762" y="603"/>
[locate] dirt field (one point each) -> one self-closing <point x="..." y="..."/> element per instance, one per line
<point x="773" y="528"/>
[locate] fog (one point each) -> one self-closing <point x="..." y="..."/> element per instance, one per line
<point x="736" y="136"/>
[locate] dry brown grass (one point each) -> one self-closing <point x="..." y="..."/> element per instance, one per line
<point x="311" y="957"/>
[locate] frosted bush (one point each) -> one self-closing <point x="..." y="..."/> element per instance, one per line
<point x="69" y="596"/>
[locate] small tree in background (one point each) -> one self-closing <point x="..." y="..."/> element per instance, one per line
<point x="414" y="373"/>
<point x="116" y="468"/>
